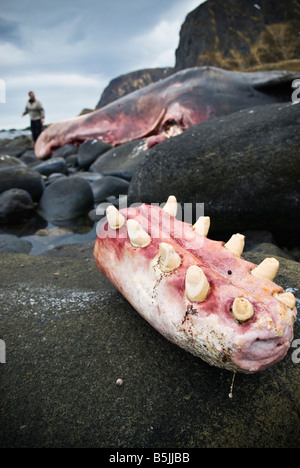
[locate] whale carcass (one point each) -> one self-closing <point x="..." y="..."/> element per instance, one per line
<point x="169" y="106"/>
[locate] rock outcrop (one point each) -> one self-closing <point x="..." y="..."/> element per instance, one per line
<point x="238" y="34"/>
<point x="129" y="82"/>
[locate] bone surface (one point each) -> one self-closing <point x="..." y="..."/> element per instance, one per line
<point x="267" y="269"/>
<point x="138" y="237"/>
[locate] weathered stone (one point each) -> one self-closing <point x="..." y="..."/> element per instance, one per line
<point x="109" y="186"/>
<point x="66" y="198"/>
<point x="120" y="161"/>
<point x="89" y="151"/>
<point x="23" y="178"/>
<point x="65" y="150"/>
<point x="51" y="166"/>
<point x="243" y="167"/>
<point x="241" y="35"/>
<point x="16" y="146"/>
<point x="130" y="82"/>
<point x="7" y="161"/>
<point x="15" y="204"/>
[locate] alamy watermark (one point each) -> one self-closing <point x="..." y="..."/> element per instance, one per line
<point x="2" y="352"/>
<point x="150" y="220"/>
<point x="296" y="353"/>
<point x="296" y="93"/>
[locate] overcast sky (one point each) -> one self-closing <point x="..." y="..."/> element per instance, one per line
<point x="67" y="51"/>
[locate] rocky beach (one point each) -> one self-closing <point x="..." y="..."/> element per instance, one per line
<point x="70" y="336"/>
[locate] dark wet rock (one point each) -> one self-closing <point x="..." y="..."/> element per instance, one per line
<point x="23" y="178"/>
<point x="70" y="335"/>
<point x="88" y="176"/>
<point x="109" y="186"/>
<point x="241" y="34"/>
<point x="65" y="151"/>
<point x="89" y="151"/>
<point x="7" y="161"/>
<point x="53" y="165"/>
<point x="72" y="160"/>
<point x="243" y="167"/>
<point x="271" y="250"/>
<point x="120" y="161"/>
<point x="66" y="198"/>
<point x="52" y="177"/>
<point x="29" y="158"/>
<point x="15" y="204"/>
<point x="16" y="146"/>
<point x="13" y="244"/>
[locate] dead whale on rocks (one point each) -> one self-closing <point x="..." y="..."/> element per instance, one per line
<point x="244" y="168"/>
<point x="169" y="106"/>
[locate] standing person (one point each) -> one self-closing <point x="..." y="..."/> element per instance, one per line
<point x="36" y="112"/>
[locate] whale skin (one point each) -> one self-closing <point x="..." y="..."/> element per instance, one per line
<point x="207" y="328"/>
<point x="169" y="107"/>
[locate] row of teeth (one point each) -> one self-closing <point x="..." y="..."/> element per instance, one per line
<point x="196" y="283"/>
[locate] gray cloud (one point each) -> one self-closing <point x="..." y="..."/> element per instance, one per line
<point x="67" y="51"/>
<point x="10" y="32"/>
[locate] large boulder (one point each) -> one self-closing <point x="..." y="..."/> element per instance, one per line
<point x="243" y="167"/>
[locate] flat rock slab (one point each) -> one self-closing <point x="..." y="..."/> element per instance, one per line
<point x="69" y="335"/>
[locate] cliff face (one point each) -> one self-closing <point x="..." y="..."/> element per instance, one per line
<point x="232" y="34"/>
<point x="241" y="34"/>
<point x="129" y="82"/>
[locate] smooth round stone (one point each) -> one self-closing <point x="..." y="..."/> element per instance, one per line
<point x="23" y="178"/>
<point x="15" y="204"/>
<point x="89" y="151"/>
<point x="66" y="198"/>
<point x="120" y="161"/>
<point x="109" y="186"/>
<point x="65" y="151"/>
<point x="53" y="165"/>
<point x="7" y="161"/>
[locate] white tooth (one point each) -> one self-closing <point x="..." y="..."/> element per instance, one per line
<point x="168" y="258"/>
<point x="115" y="219"/>
<point x="287" y="299"/>
<point x="202" y="225"/>
<point x="138" y="237"/>
<point x="196" y="284"/>
<point x="242" y="309"/>
<point x="267" y="269"/>
<point x="236" y="244"/>
<point x="171" y="206"/>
